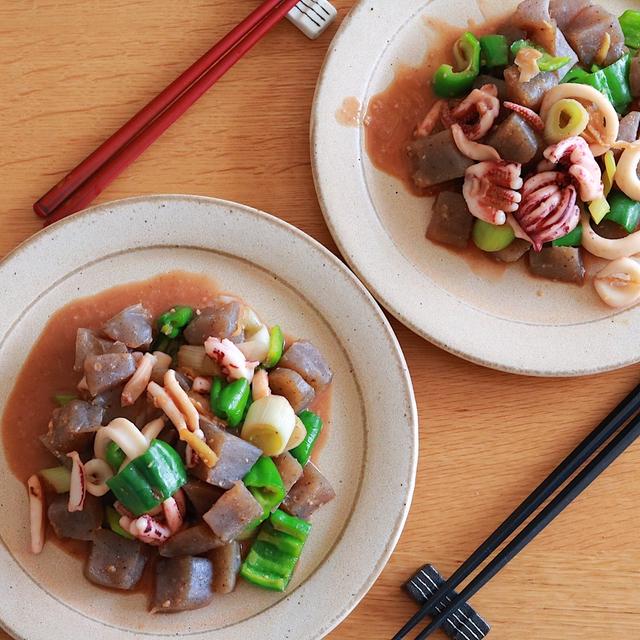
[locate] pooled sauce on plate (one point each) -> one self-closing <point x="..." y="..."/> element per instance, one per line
<point x="48" y="369"/>
<point x="392" y="114"/>
<point x="350" y="113"/>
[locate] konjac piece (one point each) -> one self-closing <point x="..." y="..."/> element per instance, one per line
<point x="451" y="222"/>
<point x="289" y="468"/>
<point x="201" y="495"/>
<point x="131" y="326"/>
<point x="107" y="371"/>
<point x="72" y="428"/>
<point x="182" y="584"/>
<point x="235" y="456"/>
<point x="76" y="525"/>
<point x="231" y="514"/>
<point x="219" y="320"/>
<point x="291" y="385"/>
<point x="308" y="494"/>
<point x="115" y="561"/>
<point x="436" y="159"/>
<point x="558" y="263"/>
<point x="305" y="358"/>
<point x="226" y="566"/>
<point x="190" y="542"/>
<point x="515" y="140"/>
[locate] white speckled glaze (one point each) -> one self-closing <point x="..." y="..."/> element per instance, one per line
<point x="515" y="323"/>
<point x="370" y="457"/>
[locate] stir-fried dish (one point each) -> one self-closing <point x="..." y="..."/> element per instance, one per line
<point x="532" y="144"/>
<point x="185" y="445"/>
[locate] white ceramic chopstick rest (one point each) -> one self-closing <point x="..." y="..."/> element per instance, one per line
<point x="312" y="17"/>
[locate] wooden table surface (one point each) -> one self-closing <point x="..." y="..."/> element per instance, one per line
<point x="73" y="71"/>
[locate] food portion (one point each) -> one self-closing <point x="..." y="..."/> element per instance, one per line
<point x="184" y="449"/>
<point x="531" y="143"/>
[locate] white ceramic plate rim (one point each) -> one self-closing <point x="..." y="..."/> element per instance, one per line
<point x="427" y="309"/>
<point x="354" y="587"/>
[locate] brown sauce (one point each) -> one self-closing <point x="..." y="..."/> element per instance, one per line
<point x="393" y="114"/>
<point x="350" y="113"/>
<point x="48" y="370"/>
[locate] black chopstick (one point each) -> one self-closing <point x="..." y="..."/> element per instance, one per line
<point x="614" y="449"/>
<point x="628" y="407"/>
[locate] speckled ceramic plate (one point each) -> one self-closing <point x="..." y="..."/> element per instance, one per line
<point x="370" y="456"/>
<point x="509" y="321"/>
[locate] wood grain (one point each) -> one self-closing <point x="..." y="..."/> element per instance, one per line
<point x="75" y="70"/>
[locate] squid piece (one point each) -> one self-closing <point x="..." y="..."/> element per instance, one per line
<point x="604" y="113"/>
<point x="78" y="484"/>
<point x="627" y="171"/>
<point x="548" y="209"/>
<point x="181" y="400"/>
<point x="97" y="472"/>
<point x="575" y="154"/>
<point x="138" y="382"/>
<point x="491" y="190"/>
<point x="426" y="127"/>
<point x="476" y="114"/>
<point x="232" y="361"/>
<point x="473" y="150"/>
<point x="37" y="521"/>
<point x="528" y="115"/>
<point x="618" y="284"/>
<point x="260" y="385"/>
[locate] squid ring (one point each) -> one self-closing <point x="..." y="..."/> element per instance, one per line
<point x="585" y="92"/>
<point x="626" y="173"/>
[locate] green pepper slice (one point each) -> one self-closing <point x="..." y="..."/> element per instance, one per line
<point x="313" y="425"/>
<point x="447" y="82"/>
<point x="150" y="479"/>
<point x="547" y="62"/>
<point x="114" y="456"/>
<point x="275" y="552"/>
<point x="617" y="77"/>
<point x="624" y="211"/>
<point x="295" y="527"/>
<point x="630" y="23"/>
<point x="172" y="322"/>
<point x="265" y="484"/>
<point x="494" y="51"/>
<point x="229" y="401"/>
<point x="572" y="239"/>
<point x="612" y="81"/>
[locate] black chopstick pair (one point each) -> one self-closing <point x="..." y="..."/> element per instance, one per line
<point x="626" y="412"/>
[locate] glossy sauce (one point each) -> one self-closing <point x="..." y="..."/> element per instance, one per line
<point x="48" y="370"/>
<point x="393" y="114"/>
<point x="350" y="113"/>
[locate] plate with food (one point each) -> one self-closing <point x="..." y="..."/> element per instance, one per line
<point x="476" y="163"/>
<point x="197" y="437"/>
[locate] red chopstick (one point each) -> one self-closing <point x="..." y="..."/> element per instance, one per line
<point x="94" y="173"/>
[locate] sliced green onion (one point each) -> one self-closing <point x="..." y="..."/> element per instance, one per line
<point x="113" y="520"/>
<point x="276" y="347"/>
<point x="566" y="118"/>
<point x="58" y="478"/>
<point x="599" y="209"/>
<point x="492" y="237"/>
<point x="63" y="399"/>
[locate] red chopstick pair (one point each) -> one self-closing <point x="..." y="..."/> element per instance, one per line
<point x="78" y="188"/>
